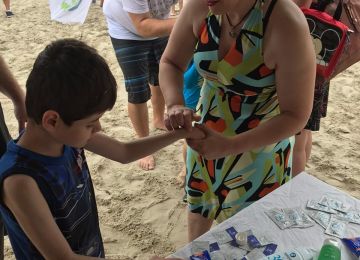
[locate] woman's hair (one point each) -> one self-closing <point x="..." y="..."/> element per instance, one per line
<point x="72" y="79"/>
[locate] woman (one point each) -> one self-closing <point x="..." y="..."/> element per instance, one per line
<point x="258" y="63"/>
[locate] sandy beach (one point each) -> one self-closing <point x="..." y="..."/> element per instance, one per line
<point x="142" y="213"/>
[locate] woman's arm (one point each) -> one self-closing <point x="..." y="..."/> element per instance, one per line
<point x="288" y="49"/>
<point x="24" y="199"/>
<point x="174" y="62"/>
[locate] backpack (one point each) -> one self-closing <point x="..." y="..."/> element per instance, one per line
<point x="330" y="37"/>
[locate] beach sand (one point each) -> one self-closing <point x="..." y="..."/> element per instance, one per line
<point x="141" y="213"/>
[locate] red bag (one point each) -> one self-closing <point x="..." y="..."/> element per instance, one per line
<point x="329" y="37"/>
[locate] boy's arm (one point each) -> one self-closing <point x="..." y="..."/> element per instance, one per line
<point x="24" y="199"/>
<point x="128" y="152"/>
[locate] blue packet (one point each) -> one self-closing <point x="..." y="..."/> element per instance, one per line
<point x="269" y="249"/>
<point x="204" y="255"/>
<point x="232" y="232"/>
<point x="214" y="247"/>
<point x="253" y="242"/>
<point x="353" y="244"/>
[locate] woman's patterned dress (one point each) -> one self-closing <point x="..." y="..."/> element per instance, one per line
<point x="238" y="94"/>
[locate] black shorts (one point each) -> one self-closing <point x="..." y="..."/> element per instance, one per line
<point x="139" y="62"/>
<point x="321" y="97"/>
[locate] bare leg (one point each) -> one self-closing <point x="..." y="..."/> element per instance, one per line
<point x="182" y="174"/>
<point x="139" y="117"/>
<point x="158" y="105"/>
<point x="300" y="154"/>
<point x="197" y="225"/>
<point x="7" y="4"/>
<point x="308" y="145"/>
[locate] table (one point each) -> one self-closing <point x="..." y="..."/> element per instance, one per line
<point x="295" y="193"/>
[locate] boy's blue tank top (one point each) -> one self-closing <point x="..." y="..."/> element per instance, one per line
<point x="66" y="185"/>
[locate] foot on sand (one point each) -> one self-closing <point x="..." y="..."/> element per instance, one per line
<point x="160" y="125"/>
<point x="181" y="177"/>
<point x="147" y="163"/>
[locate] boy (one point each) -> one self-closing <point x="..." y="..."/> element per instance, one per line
<point x="48" y="203"/>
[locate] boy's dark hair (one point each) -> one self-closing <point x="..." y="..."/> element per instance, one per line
<point x="72" y="79"/>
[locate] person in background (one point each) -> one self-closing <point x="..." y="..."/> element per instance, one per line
<point x="45" y="184"/>
<point x="10" y="88"/>
<point x="139" y="32"/>
<point x="257" y="94"/>
<point x="8" y="11"/>
<point x="303" y="140"/>
<point x="173" y="9"/>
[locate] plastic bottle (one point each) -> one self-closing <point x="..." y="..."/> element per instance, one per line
<point x="330" y="250"/>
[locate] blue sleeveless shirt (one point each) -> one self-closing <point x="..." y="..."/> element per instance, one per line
<point x="66" y="185"/>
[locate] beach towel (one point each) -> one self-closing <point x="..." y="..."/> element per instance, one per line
<point x="69" y="11"/>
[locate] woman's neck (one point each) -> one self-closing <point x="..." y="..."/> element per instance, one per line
<point x="237" y="12"/>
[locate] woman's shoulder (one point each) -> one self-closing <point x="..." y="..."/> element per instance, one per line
<point x="196" y="12"/>
<point x="286" y="11"/>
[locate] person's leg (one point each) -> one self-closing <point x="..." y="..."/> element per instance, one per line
<point x="139" y="117"/>
<point x="8" y="11"/>
<point x="308" y="145"/>
<point x="157" y="98"/>
<point x="197" y="225"/>
<point x="299" y="153"/>
<point x="7" y="4"/>
<point x="133" y="60"/>
<point x="182" y="174"/>
<point x="158" y="106"/>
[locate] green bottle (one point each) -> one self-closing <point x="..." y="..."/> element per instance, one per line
<point x="330" y="250"/>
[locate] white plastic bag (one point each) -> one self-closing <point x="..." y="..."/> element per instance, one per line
<point x="69" y="11"/>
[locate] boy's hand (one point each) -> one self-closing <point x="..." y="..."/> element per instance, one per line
<point x="179" y="116"/>
<point x="195" y="133"/>
<point x="213" y="146"/>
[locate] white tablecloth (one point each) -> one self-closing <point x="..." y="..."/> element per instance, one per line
<point x="295" y="193"/>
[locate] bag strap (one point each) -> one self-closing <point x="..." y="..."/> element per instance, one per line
<point x="322" y="4"/>
<point x="338" y="11"/>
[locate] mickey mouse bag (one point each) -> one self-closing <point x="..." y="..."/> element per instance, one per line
<point x="330" y="37"/>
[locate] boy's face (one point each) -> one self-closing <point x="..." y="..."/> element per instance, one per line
<point x="78" y="134"/>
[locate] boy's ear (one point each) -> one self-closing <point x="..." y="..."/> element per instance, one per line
<point x="50" y="119"/>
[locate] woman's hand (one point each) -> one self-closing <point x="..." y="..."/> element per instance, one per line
<point x="179" y="116"/>
<point x="213" y="146"/>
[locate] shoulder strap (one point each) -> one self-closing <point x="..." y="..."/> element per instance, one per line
<point x="267" y="15"/>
